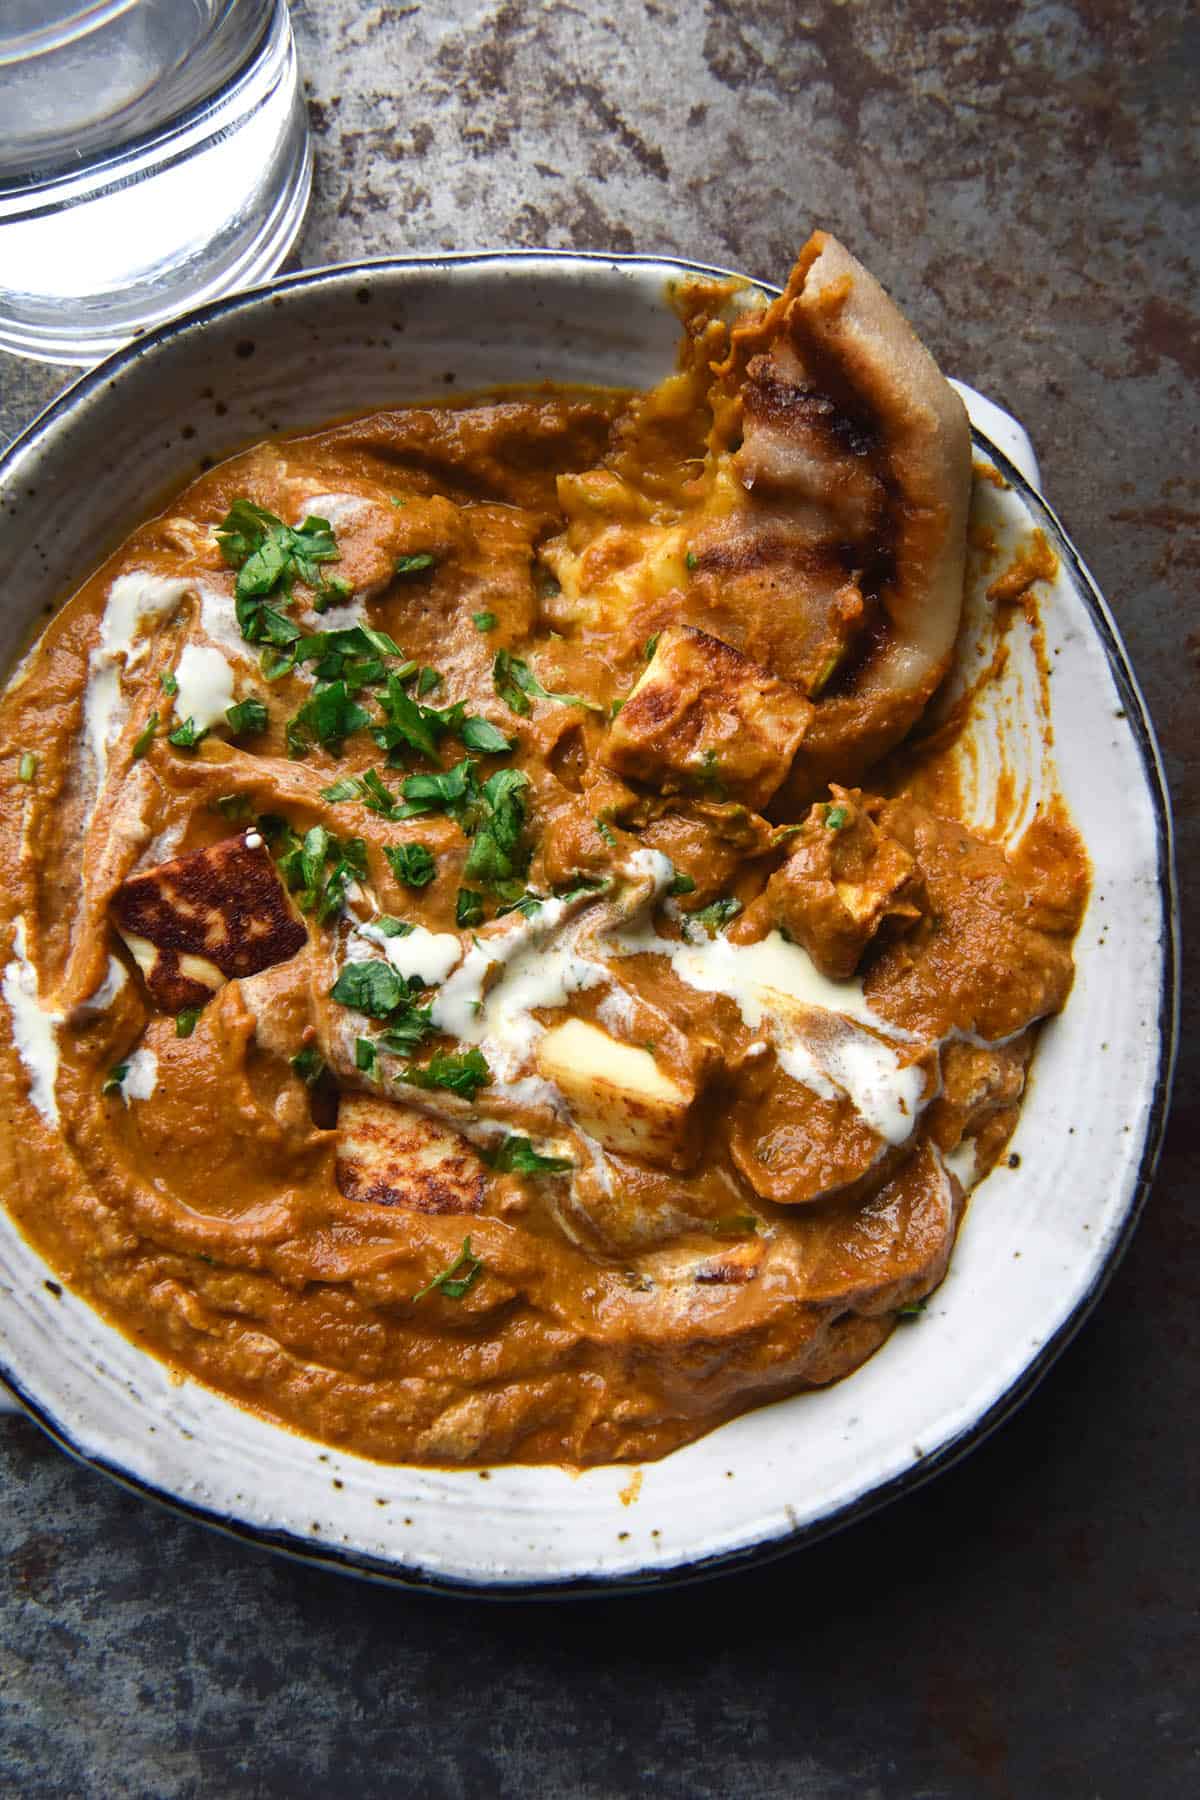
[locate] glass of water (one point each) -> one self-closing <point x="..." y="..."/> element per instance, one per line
<point x="153" y="154"/>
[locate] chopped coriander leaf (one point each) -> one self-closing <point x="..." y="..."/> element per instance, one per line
<point x="336" y="588"/>
<point x="396" y="501"/>
<point x="144" y="738"/>
<point x="345" y="789"/>
<point x="274" y="663"/>
<point x="690" y="560"/>
<point x="616" y="706"/>
<point x="681" y="883"/>
<point x="309" y="1064"/>
<point x="734" y="1225"/>
<point x="247" y="717"/>
<point x="270" y="555"/>
<point x="468" y="908"/>
<point x="427" y="680"/>
<point x="415" y="564"/>
<point x="650" y="647"/>
<point x="365" y="1055"/>
<point x="376" y="796"/>
<point x="480" y="734"/>
<point x="113" y="1080"/>
<point x="463" y="1075"/>
<point x="713" y="918"/>
<point x="28" y="765"/>
<point x="406" y="723"/>
<point x="372" y="987"/>
<point x="515" y="681"/>
<point x="234" y="807"/>
<point x="169" y="683"/>
<point x="302" y="863"/>
<point x="607" y="833"/>
<point x="484" y="621"/>
<point x="527" y="905"/>
<point x="391" y="927"/>
<point x="498" y="852"/>
<point x="459" y="1278"/>
<point x="411" y="864"/>
<point x="185" y="1021"/>
<point x="835" y="817"/>
<point x="187" y="735"/>
<point x="328" y="718"/>
<point x="444" y="792"/>
<point x="912" y="1309"/>
<point x="517" y="1156"/>
<point x="407" y="1028"/>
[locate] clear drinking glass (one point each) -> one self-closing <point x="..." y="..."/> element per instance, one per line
<point x="153" y="154"/>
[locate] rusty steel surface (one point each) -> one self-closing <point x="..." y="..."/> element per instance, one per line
<point x="1024" y="178"/>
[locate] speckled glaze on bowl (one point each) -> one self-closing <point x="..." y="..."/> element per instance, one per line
<point x="1039" y="1240"/>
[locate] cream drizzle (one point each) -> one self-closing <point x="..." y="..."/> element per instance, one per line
<point x="35" y="1031"/>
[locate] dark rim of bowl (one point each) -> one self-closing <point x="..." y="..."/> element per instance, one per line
<point x="389" y="1573"/>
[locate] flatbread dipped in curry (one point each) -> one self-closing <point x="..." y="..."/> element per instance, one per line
<point x="479" y="984"/>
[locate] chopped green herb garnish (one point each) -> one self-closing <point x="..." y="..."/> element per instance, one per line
<point x="459" y="1278"/>
<point x="113" y="1081"/>
<point x="713" y="918"/>
<point x="303" y="862"/>
<point x="416" y="564"/>
<point x="517" y="1156"/>
<point x="247" y="717"/>
<point x="365" y="1055"/>
<point x="28" y="765"/>
<point x="468" y="908"/>
<point x="309" y="1064"/>
<point x="187" y="735"/>
<point x="391" y="927"/>
<point x="527" y="905"/>
<point x="144" y="738"/>
<point x="462" y="1074"/>
<point x="651" y="645"/>
<point x="616" y="706"/>
<point x="444" y="792"/>
<point x="169" y="683"/>
<point x="427" y="680"/>
<point x="328" y="718"/>
<point x="499" y="855"/>
<point x="185" y="1021"/>
<point x="681" y="883"/>
<point x="835" y="817"/>
<point x="484" y="621"/>
<point x="912" y="1309"/>
<point x="412" y="864"/>
<point x="515" y="681"/>
<point x="407" y="1028"/>
<point x="607" y="833"/>
<point x="270" y="555"/>
<point x="482" y="735"/>
<point x="690" y="560"/>
<point x="372" y="987"/>
<point x="345" y="789"/>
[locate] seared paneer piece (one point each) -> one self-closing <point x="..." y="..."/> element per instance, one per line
<point x="619" y="1095"/>
<point x="206" y="918"/>
<point x="392" y="1156"/>
<point x="706" y="720"/>
<point x="842" y="880"/>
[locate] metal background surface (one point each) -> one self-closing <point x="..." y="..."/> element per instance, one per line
<point x="1025" y="183"/>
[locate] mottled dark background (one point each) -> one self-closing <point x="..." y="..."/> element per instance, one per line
<point x="1024" y="179"/>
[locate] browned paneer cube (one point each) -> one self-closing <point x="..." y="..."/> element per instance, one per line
<point x="704" y="719"/>
<point x="206" y="918"/>
<point x="843" y="878"/>
<point x="391" y="1155"/>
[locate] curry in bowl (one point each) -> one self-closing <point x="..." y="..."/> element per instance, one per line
<point x="494" y="970"/>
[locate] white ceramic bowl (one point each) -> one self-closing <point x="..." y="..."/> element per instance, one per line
<point x="1038" y="1242"/>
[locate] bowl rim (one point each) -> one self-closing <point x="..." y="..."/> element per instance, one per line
<point x="687" y="1571"/>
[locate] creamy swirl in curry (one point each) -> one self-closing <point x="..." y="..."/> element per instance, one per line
<point x="477" y="986"/>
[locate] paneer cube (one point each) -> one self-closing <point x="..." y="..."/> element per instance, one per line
<point x="618" y="1094"/>
<point x="392" y="1156"/>
<point x="843" y="879"/>
<point x="706" y="720"/>
<point x="206" y="918"/>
